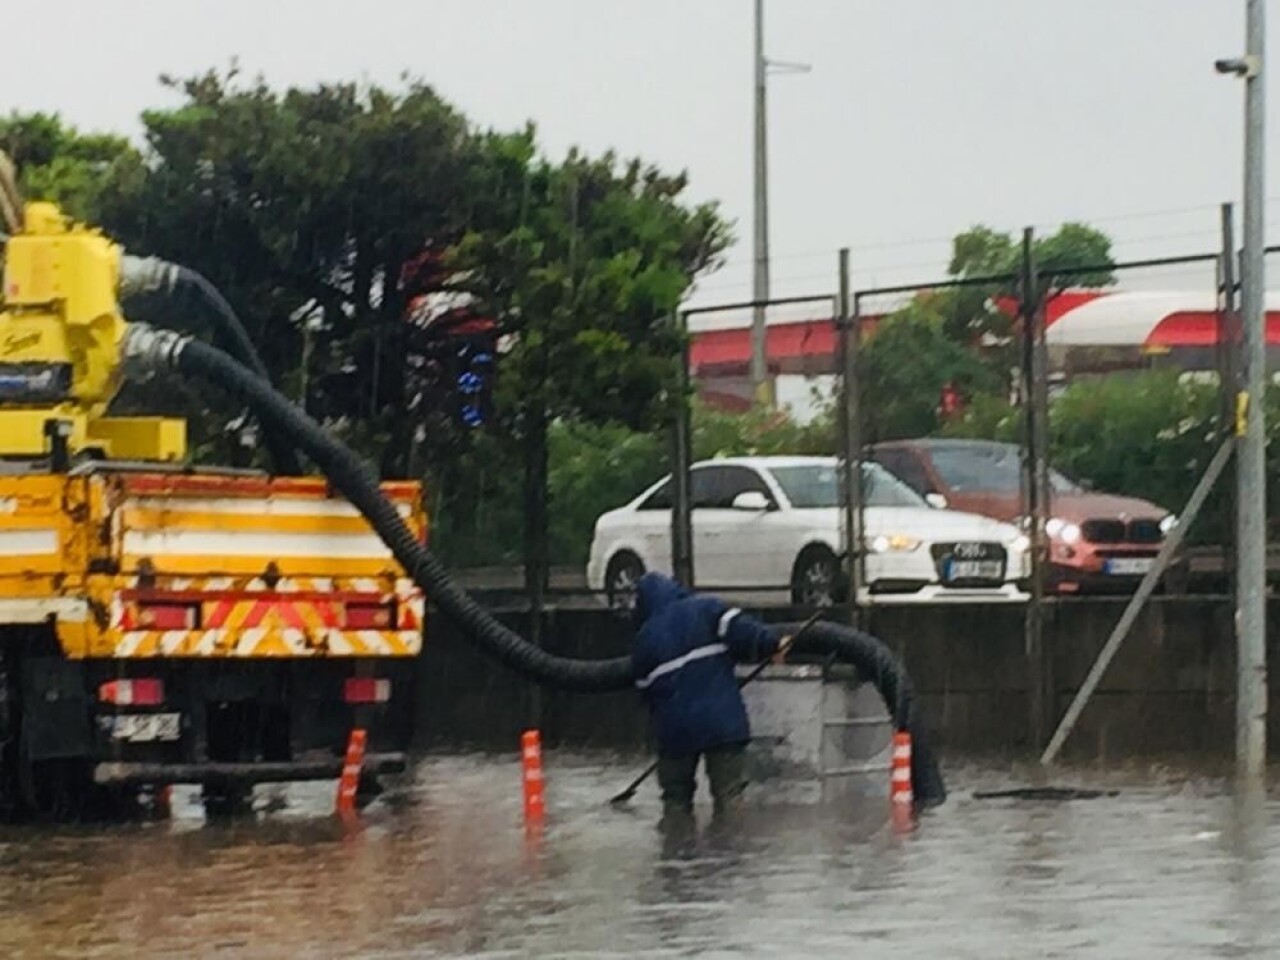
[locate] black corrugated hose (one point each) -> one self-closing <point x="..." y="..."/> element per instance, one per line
<point x="240" y="346"/>
<point x="154" y="275"/>
<point x="350" y="475"/>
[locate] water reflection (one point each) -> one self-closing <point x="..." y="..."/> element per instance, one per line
<point x="443" y="866"/>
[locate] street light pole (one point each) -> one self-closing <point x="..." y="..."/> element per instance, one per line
<point x="760" y="222"/>
<point x="1251" y="501"/>
<point x="760" y="384"/>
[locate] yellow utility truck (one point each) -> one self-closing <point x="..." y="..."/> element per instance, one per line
<point x="160" y="622"/>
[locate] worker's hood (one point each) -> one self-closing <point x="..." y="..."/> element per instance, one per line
<point x="653" y="592"/>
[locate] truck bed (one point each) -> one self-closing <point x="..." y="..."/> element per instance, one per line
<point x="139" y="564"/>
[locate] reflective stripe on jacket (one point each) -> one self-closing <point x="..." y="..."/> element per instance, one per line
<point x="683" y="656"/>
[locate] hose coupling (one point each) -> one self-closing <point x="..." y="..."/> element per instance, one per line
<point x="140" y="275"/>
<point x="146" y="350"/>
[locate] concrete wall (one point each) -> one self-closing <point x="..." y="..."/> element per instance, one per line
<point x="1169" y="691"/>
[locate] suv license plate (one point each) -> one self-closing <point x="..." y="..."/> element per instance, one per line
<point x="143" y="727"/>
<point x="975" y="570"/>
<point x="1131" y="566"/>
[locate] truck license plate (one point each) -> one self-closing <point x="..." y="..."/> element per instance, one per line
<point x="975" y="570"/>
<point x="143" y="727"/>
<point x="1130" y="566"/>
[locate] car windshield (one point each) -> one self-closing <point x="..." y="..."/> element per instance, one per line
<point x="994" y="468"/>
<point x="818" y="485"/>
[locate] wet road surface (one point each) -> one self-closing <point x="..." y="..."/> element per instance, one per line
<point x="441" y="866"/>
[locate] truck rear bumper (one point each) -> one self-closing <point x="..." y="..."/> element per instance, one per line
<point x="138" y="774"/>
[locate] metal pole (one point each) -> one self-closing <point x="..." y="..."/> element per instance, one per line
<point x="681" y="457"/>
<point x="850" y="444"/>
<point x="1228" y="372"/>
<point x="1035" y="477"/>
<point x="760" y="223"/>
<point x="1138" y="601"/>
<point x="1251" y="525"/>
<point x="854" y="374"/>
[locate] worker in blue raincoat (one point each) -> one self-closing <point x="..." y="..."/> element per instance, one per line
<point x="684" y="657"/>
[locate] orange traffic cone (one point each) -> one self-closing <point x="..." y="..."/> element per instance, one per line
<point x="531" y="767"/>
<point x="349" y="782"/>
<point x="901" y="798"/>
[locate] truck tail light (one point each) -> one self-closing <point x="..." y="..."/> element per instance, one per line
<point x="366" y="690"/>
<point x="167" y="616"/>
<point x="132" y="693"/>
<point x="370" y="616"/>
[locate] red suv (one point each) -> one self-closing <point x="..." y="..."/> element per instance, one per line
<point x="1096" y="541"/>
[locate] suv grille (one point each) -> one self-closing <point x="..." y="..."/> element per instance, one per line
<point x="1145" y="531"/>
<point x="1117" y="531"/>
<point x="1103" y="531"/>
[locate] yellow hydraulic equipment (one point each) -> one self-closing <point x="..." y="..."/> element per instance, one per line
<point x="61" y="331"/>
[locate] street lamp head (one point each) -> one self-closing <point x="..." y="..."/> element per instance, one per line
<point x="1238" y="66"/>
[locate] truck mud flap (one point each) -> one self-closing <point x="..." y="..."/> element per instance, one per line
<point x="55" y="716"/>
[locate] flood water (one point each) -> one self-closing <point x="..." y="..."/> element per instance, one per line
<point x="1173" y="866"/>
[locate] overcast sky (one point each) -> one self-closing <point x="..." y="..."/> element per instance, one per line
<point x="918" y="119"/>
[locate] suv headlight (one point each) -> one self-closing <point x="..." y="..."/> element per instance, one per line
<point x="1064" y="530"/>
<point x="893" y="543"/>
<point x="1168" y="523"/>
<point x="1019" y="544"/>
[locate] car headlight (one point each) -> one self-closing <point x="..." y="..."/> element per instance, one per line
<point x="1020" y="544"/>
<point x="1064" y="530"/>
<point x="1168" y="523"/>
<point x="893" y="543"/>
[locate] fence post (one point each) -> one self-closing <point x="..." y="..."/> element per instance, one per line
<point x="850" y="441"/>
<point x="1139" y="600"/>
<point x="1035" y="396"/>
<point x="1228" y="370"/>
<point x="681" y="457"/>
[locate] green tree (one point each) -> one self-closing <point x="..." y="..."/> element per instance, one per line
<point x="972" y="314"/>
<point x="309" y="203"/>
<point x="580" y="263"/>
<point x="83" y="173"/>
<point x="905" y="365"/>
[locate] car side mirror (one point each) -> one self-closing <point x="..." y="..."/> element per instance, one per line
<point x="936" y="500"/>
<point x="751" y="500"/>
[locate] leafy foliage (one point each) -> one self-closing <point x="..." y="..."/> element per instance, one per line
<point x="79" y="171"/>
<point x="905" y="365"/>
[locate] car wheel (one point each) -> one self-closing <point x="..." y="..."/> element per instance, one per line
<point x="620" y="579"/>
<point x="815" y="579"/>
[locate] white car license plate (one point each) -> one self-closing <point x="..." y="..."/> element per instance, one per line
<point x="975" y="570"/>
<point x="1130" y="566"/>
<point x="143" y="727"/>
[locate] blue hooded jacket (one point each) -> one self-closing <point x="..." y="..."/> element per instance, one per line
<point x="683" y="658"/>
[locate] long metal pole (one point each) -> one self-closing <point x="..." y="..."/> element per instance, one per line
<point x="1139" y="599"/>
<point x="856" y="442"/>
<point x="1035" y="473"/>
<point x="850" y="440"/>
<point x="760" y="222"/>
<point x="1228" y="352"/>
<point x="1251" y="525"/>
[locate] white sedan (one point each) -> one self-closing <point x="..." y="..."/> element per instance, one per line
<point x="774" y="524"/>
